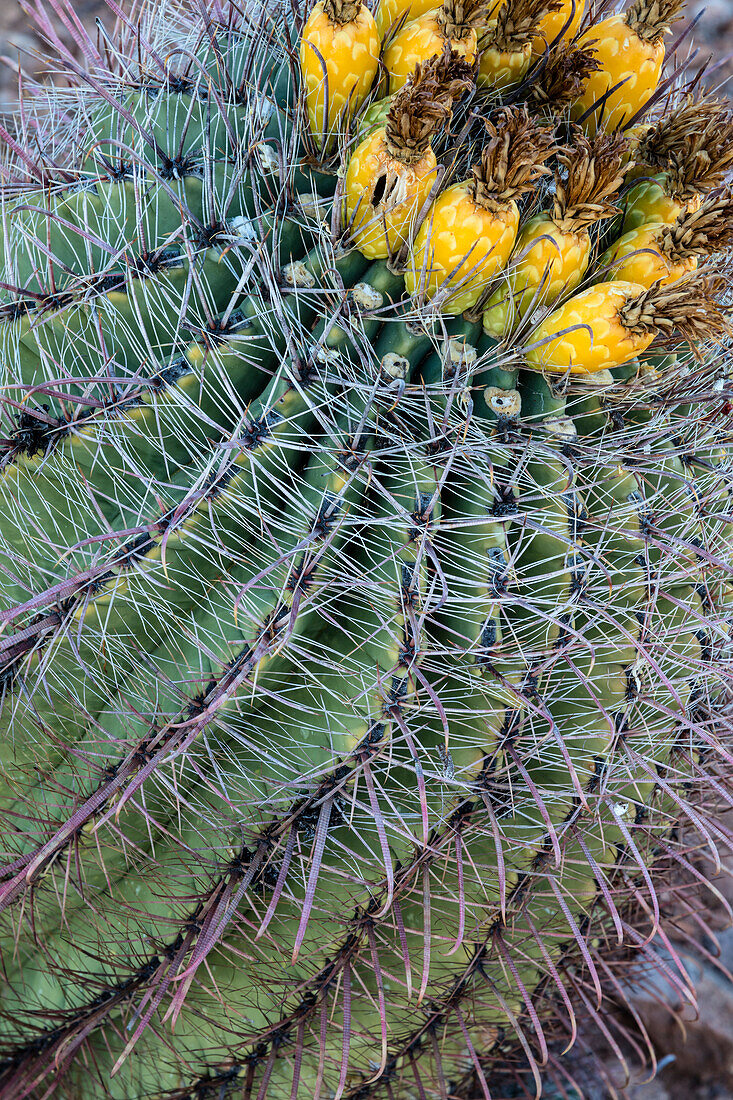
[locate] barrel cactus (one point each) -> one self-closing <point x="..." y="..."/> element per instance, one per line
<point x="364" y="544"/>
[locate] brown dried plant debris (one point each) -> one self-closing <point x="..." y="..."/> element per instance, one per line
<point x="701" y="232"/>
<point x="563" y="76"/>
<point x="457" y="18"/>
<point x="704" y="119"/>
<point x="342" y="12"/>
<point x="589" y="174"/>
<point x="695" y="159"/>
<point x="512" y="160"/>
<point x="516" y="23"/>
<point x="693" y="171"/>
<point x="425" y="104"/>
<point x="688" y="307"/>
<point x="651" y="19"/>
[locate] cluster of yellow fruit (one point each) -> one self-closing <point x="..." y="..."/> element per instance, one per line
<point x="571" y="135"/>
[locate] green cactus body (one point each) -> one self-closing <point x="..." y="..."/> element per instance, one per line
<point x="354" y="672"/>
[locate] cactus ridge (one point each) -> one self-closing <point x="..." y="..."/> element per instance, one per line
<point x="358" y="682"/>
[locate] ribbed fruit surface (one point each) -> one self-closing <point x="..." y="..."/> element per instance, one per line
<point x="420" y="40"/>
<point x="382" y="229"/>
<point x="636" y="169"/>
<point x="499" y="69"/>
<point x="373" y="118"/>
<point x="558" y="26"/>
<point x="623" y="57"/>
<point x="649" y="201"/>
<point x="590" y="336"/>
<point x="350" y="55"/>
<point x="389" y="12"/>
<point x="547" y="262"/>
<point x="637" y="258"/>
<point x="460" y="245"/>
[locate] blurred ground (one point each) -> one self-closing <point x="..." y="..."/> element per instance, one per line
<point x="16" y="31"/>
<point x="699" y="1056"/>
<point x="699" y="1062"/>
<point x="715" y="36"/>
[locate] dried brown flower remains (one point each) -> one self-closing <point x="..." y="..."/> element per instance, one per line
<point x="588" y="178"/>
<point x="425" y="103"/>
<point x="516" y="23"/>
<point x="651" y="19"/>
<point x="512" y="160"/>
<point x="561" y="77"/>
<point x="690" y="307"/>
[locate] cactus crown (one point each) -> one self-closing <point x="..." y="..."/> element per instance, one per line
<point x="355" y="668"/>
<point x="425" y="104"/>
<point x="701" y="232"/>
<point x="342" y="12"/>
<point x="651" y="19"/>
<point x="589" y="175"/>
<point x="689" y="306"/>
<point x="516" y="22"/>
<point x="563" y="76"/>
<point x="459" y="18"/>
<point x="512" y="160"/>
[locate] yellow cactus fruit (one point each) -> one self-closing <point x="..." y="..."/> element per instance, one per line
<point x="682" y="157"/>
<point x="634" y="137"/>
<point x="393" y="15"/>
<point x="459" y="245"/>
<point x="543" y="250"/>
<point x="553" y="249"/>
<point x="452" y="26"/>
<point x="664" y="253"/>
<point x="507" y="43"/>
<point x="559" y="81"/>
<point x="469" y="231"/>
<point x="339" y="55"/>
<point x="630" y="48"/>
<point x="560" y="25"/>
<point x="643" y="256"/>
<point x="610" y="324"/>
<point x="383" y="218"/>
<point x="649" y="202"/>
<point x="392" y="172"/>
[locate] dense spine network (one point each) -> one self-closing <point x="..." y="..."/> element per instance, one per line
<point x="364" y="663"/>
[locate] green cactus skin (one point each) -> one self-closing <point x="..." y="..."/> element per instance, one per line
<point x="354" y="679"/>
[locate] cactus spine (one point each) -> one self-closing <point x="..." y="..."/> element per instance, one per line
<point x="360" y="658"/>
